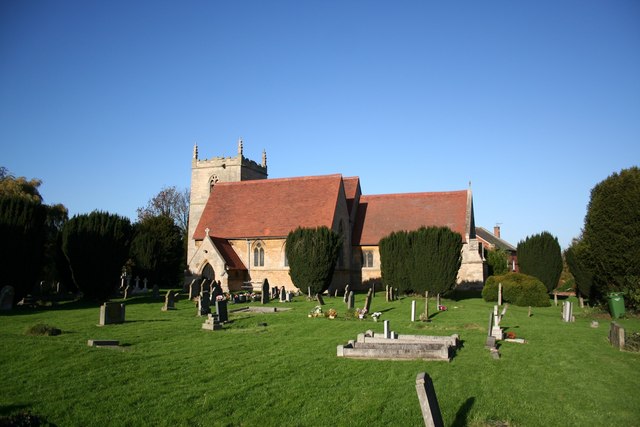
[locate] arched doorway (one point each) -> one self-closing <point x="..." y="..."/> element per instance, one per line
<point x="208" y="273"/>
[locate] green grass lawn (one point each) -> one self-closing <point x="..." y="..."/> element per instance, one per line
<point x="172" y="372"/>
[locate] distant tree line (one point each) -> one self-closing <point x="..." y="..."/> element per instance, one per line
<point x="88" y="252"/>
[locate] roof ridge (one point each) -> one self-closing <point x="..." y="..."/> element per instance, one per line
<point x="289" y="179"/>
<point x="413" y="194"/>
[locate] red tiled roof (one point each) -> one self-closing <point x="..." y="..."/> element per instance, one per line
<point x="269" y="207"/>
<point x="230" y="256"/>
<point x="351" y="190"/>
<point x="380" y="215"/>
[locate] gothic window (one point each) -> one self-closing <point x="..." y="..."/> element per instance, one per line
<point x="367" y="258"/>
<point x="213" y="181"/>
<point x="258" y="256"/>
<point x="207" y="272"/>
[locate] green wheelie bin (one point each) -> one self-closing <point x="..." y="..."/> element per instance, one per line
<point x="616" y="304"/>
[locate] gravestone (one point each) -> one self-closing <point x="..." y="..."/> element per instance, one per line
<point x="168" y="302"/>
<point x="264" y="297"/>
<point x="438" y="302"/>
<point x="155" y="293"/>
<point x="289" y="296"/>
<point x="283" y="294"/>
<point x="346" y="294"/>
<point x="396" y="292"/>
<point x="274" y="293"/>
<point x="203" y="304"/>
<point x="428" y="401"/>
<point x="336" y="293"/>
<point x="144" y="288"/>
<point x="320" y="299"/>
<point x="185" y="287"/>
<point x="386" y="293"/>
<point x="194" y="290"/>
<point x="499" y="293"/>
<point x="351" y="303"/>
<point x="127" y="292"/>
<point x="413" y="311"/>
<point x="137" y="288"/>
<point x="555" y="298"/>
<point x="111" y="312"/>
<point x="567" y="311"/>
<point x="6" y="297"/>
<point x="616" y="336"/>
<point x="367" y="301"/>
<point x="212" y="323"/>
<point x="217" y="291"/>
<point x="309" y="293"/>
<point x="221" y="310"/>
<point x="373" y="289"/>
<point x="529" y="313"/>
<point x="386" y="329"/>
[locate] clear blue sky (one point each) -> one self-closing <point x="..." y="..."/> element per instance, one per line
<point x="533" y="102"/>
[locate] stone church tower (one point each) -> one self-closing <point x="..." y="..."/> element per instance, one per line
<point x="206" y="173"/>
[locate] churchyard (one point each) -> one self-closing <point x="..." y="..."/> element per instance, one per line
<point x="280" y="367"/>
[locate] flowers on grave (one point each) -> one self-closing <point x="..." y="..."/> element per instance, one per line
<point x="442" y="308"/>
<point x="376" y="316"/>
<point x="361" y="312"/>
<point x="316" y="312"/>
<point x="511" y="335"/>
<point x="221" y="298"/>
<point x="332" y="313"/>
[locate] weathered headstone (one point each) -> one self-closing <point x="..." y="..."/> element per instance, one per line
<point x="289" y="296"/>
<point x="567" y="311"/>
<point x="413" y="310"/>
<point x="555" y="298"/>
<point x="155" y="292"/>
<point x="386" y="329"/>
<point x="367" y="301"/>
<point x="428" y="401"/>
<point x="6" y="297"/>
<point x="499" y="293"/>
<point x="336" y="293"/>
<point x="346" y="293"/>
<point x="264" y="297"/>
<point x="203" y="304"/>
<point x="438" y="302"/>
<point x="581" y="301"/>
<point x="529" y="314"/>
<point x="194" y="290"/>
<point x="320" y="299"/>
<point x="217" y="291"/>
<point x="283" y="294"/>
<point x="221" y="310"/>
<point x="396" y="292"/>
<point x="137" y="288"/>
<point x="386" y="293"/>
<point x="168" y="302"/>
<point x="351" y="301"/>
<point x="110" y="313"/>
<point x="212" y="323"/>
<point x="309" y="293"/>
<point x="144" y="288"/>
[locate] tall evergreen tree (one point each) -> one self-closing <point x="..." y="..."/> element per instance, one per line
<point x="312" y="254"/>
<point x="420" y="260"/>
<point x="157" y="251"/>
<point x="394" y="260"/>
<point x="497" y="260"/>
<point x="612" y="233"/>
<point x="23" y="231"/>
<point x="97" y="247"/>
<point x="577" y="261"/>
<point x="540" y="256"/>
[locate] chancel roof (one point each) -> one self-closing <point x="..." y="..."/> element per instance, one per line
<point x="269" y="207"/>
<point x="380" y="215"/>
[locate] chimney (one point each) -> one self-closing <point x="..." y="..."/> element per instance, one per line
<point x="496" y="231"/>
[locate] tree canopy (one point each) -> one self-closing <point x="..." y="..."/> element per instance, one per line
<point x="540" y="256"/>
<point x="97" y="247"/>
<point x="312" y="254"/>
<point x="169" y="202"/>
<point x="425" y="259"/>
<point x="611" y="234"/>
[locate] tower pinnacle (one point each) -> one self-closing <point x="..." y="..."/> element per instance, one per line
<point x="195" y="151"/>
<point x="240" y="146"/>
<point x="264" y="158"/>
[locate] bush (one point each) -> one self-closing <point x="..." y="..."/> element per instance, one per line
<point x="43" y="329"/>
<point x="518" y="289"/>
<point x="540" y="256"/>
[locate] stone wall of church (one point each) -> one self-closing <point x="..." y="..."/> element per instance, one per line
<point x="472" y="270"/>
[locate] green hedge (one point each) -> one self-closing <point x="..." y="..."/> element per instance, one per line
<point x="518" y="289"/>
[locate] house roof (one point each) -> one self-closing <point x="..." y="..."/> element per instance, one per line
<point x="351" y="191"/>
<point x="269" y="207"/>
<point x="484" y="234"/>
<point x="230" y="256"/>
<point x="380" y="215"/>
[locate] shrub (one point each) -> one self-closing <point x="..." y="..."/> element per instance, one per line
<point x="518" y="289"/>
<point x="43" y="329"/>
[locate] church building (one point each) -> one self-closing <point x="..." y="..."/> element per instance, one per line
<point x="239" y="221"/>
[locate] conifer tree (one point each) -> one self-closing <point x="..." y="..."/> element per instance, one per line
<point x="312" y="254"/>
<point x="540" y="256"/>
<point x="97" y="247"/>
